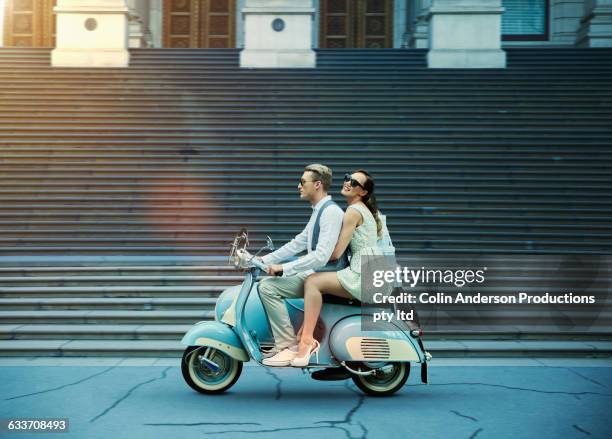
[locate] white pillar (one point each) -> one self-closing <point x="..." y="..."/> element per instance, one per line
<point x="596" y="24"/>
<point x="420" y="35"/>
<point x="91" y="33"/>
<point x="465" y="34"/>
<point x="400" y="12"/>
<point x="138" y="23"/>
<point x="155" y="22"/>
<point x="565" y="20"/>
<point x="278" y="34"/>
<point x="2" y="5"/>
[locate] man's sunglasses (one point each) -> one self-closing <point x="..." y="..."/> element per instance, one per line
<point x="303" y="182"/>
<point x="354" y="183"/>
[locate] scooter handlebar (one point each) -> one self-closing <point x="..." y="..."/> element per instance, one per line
<point x="247" y="260"/>
<point x="257" y="263"/>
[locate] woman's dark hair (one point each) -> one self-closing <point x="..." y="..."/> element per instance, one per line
<point x="370" y="199"/>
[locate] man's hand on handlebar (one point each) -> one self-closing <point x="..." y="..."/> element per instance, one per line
<point x="275" y="270"/>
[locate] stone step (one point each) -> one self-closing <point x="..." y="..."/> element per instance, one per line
<point x="186" y="238"/>
<point x="52" y="200"/>
<point x="36" y="331"/>
<point x="202" y="291"/>
<point x="119" y="270"/>
<point x="65" y="156"/>
<point x="258" y="228"/>
<point x="579" y="317"/>
<point x="451" y="113"/>
<point x="450" y="247"/>
<point x="20" y="91"/>
<point x="126" y="279"/>
<point x="199" y="144"/>
<point x="456" y="240"/>
<point x="120" y="264"/>
<point x="439" y="349"/>
<point x="108" y="303"/>
<point x="14" y="168"/>
<point x="107" y="316"/>
<point x="230" y="69"/>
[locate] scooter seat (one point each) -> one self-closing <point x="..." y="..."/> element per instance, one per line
<point x="330" y="298"/>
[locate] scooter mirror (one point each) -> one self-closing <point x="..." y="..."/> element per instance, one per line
<point x="269" y="243"/>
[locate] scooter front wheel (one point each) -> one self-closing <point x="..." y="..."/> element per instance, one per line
<point x="208" y="370"/>
<point x="383" y="384"/>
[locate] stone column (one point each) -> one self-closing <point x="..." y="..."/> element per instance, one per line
<point x="1" y="25"/>
<point x="400" y="26"/>
<point x="465" y="34"/>
<point x="278" y="34"/>
<point x="565" y="20"/>
<point x="138" y="23"/>
<point x="91" y="33"/>
<point x="155" y="22"/>
<point x="420" y="34"/>
<point x="596" y="24"/>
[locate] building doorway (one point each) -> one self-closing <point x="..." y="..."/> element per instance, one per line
<point x="29" y="23"/>
<point x="349" y="24"/>
<point x="199" y="23"/>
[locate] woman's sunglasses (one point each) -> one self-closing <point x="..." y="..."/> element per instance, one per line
<point x="354" y="183"/>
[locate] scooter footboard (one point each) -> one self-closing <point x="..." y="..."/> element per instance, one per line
<point x="349" y="343"/>
<point x="216" y="335"/>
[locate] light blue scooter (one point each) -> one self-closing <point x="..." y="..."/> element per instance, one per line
<point x="378" y="361"/>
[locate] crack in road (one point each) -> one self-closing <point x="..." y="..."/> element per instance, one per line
<point x="501" y="386"/>
<point x="198" y="424"/>
<point x="575" y="372"/>
<point x="348" y="419"/>
<point x="464" y="416"/>
<point x="64" y="385"/>
<point x="270" y="430"/>
<point x="128" y="393"/>
<point x="278" y="380"/>
<point x="338" y="425"/>
<point x="581" y="430"/>
<point x="476" y="433"/>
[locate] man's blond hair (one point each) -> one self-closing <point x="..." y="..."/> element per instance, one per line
<point x="321" y="173"/>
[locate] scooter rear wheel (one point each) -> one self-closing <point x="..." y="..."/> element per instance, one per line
<point x="203" y="378"/>
<point x="385" y="383"/>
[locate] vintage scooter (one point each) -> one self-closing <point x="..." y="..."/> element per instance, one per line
<point x="378" y="361"/>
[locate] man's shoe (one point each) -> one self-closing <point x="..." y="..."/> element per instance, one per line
<point x="282" y="358"/>
<point x="331" y="374"/>
<point x="273" y="350"/>
<point x="269" y="352"/>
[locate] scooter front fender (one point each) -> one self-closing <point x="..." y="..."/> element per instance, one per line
<point x="216" y="335"/>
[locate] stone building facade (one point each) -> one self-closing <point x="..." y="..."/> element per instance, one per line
<point x="282" y="33"/>
<point x="337" y="23"/>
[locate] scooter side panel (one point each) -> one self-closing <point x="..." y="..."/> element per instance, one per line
<point x="256" y="319"/>
<point x="349" y="343"/>
<point x="217" y="335"/>
<point x="224" y="302"/>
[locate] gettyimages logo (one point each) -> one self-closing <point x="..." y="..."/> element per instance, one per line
<point x="548" y="293"/>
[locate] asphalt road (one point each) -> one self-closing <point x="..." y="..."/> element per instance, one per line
<point x="130" y="398"/>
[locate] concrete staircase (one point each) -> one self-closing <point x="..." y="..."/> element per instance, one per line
<point x="105" y="310"/>
<point x="121" y="188"/>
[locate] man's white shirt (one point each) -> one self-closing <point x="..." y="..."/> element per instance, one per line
<point x="330" y="225"/>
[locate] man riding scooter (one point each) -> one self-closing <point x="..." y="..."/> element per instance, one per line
<point x="318" y="238"/>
